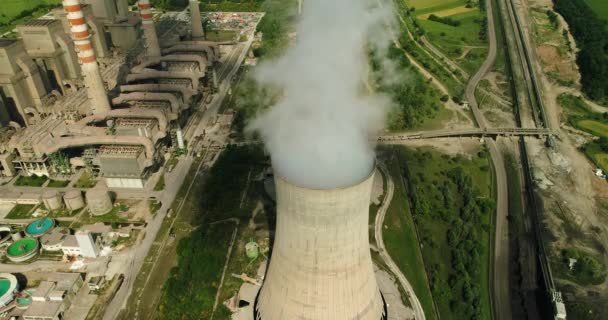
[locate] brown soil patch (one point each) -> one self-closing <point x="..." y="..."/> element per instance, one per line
<point x="554" y="62"/>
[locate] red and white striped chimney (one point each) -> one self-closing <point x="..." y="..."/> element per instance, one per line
<point x="145" y="9"/>
<point x="90" y="70"/>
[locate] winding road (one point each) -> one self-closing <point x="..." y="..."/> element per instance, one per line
<point x="413" y="299"/>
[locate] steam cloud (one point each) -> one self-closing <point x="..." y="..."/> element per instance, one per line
<point x="318" y="133"/>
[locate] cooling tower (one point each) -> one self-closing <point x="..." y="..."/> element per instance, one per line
<point x="321" y="267"/>
<point x="73" y="200"/>
<point x="99" y="200"/>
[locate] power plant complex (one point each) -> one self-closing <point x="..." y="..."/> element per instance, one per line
<point x="79" y="89"/>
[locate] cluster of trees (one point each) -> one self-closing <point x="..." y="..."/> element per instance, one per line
<point x="449" y="201"/>
<point x="190" y="291"/>
<point x="591" y="34"/>
<point x="483" y="32"/>
<point x="445" y="20"/>
<point x="587" y="270"/>
<point x="553" y="19"/>
<point x="414" y="100"/>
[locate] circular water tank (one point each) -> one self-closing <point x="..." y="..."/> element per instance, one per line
<point x="39" y="227"/>
<point x="23" y="250"/>
<point x="52" y="200"/>
<point x="8" y="288"/>
<point x="252" y="249"/>
<point x="73" y="200"/>
<point x="99" y="200"/>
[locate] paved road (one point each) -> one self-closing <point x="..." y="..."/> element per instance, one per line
<point x="500" y="281"/>
<point x="413" y="299"/>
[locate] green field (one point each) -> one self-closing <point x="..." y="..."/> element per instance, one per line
<point x="424" y="5"/>
<point x="58" y="183"/>
<point x="20" y="211"/>
<point x="602" y="160"/>
<point x="452" y="205"/>
<point x="600" y="7"/>
<point x="402" y="244"/>
<point x="594" y="127"/>
<point x="31" y="181"/>
<point x="13" y="12"/>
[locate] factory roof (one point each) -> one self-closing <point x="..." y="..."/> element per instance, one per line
<point x="70" y="242"/>
<point x="120" y="151"/>
<point x="6" y="42"/>
<point x="55" y="237"/>
<point x="47" y="309"/>
<point x="43" y="290"/>
<point x="97" y="228"/>
<point x="39" y="22"/>
<point x="64" y="280"/>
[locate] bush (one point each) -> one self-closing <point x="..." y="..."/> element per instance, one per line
<point x="445" y="20"/>
<point x="445" y="98"/>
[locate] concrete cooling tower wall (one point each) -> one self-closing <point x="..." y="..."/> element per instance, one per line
<point x="321" y="267"/>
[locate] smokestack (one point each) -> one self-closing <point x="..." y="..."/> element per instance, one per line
<point x="321" y="266"/>
<point x="149" y="29"/>
<point x="90" y="70"/>
<point x="123" y="10"/>
<point x="197" y="22"/>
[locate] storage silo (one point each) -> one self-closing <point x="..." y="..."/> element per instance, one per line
<point x="99" y="200"/>
<point x="52" y="200"/>
<point x="73" y="200"/>
<point x="321" y="266"/>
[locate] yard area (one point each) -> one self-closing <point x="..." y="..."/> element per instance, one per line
<point x="600" y="7"/>
<point x="31" y="181"/>
<point x="58" y="183"/>
<point x="13" y="12"/>
<point x="21" y="211"/>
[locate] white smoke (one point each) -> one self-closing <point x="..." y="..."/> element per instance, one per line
<point x="318" y="133"/>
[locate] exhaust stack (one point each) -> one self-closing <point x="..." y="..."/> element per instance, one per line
<point x="321" y="266"/>
<point x="88" y="61"/>
<point x="197" y="22"/>
<point x="145" y="9"/>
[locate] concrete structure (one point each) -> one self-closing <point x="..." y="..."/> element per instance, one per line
<point x="89" y="248"/>
<point x="8" y="288"/>
<point x="23" y="250"/>
<point x="74" y="200"/>
<point x="21" y="85"/>
<point x="99" y="200"/>
<point x="321" y="265"/>
<point x="53" y="241"/>
<point x="70" y="246"/>
<point x="53" y="297"/>
<point x="82" y="40"/>
<point x="197" y="22"/>
<point x="145" y="10"/>
<point x="39" y="227"/>
<point x="52" y="200"/>
<point x="122" y="25"/>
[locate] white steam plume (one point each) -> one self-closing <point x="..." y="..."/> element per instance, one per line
<point x="318" y="133"/>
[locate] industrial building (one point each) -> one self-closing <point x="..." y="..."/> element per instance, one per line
<point x="81" y="89"/>
<point x="54" y="296"/>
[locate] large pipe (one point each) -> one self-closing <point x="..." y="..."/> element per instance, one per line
<point x="201" y="61"/>
<point x="83" y="128"/>
<point x="145" y="9"/>
<point x="197" y="22"/>
<point x="321" y="267"/>
<point x="82" y="40"/>
<point x="185" y="93"/>
<point x="211" y="49"/>
<point x="157" y="75"/>
<point x="70" y="142"/>
<point x="149" y="96"/>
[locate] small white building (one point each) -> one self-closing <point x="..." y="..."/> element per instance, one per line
<point x="89" y="248"/>
<point x="70" y="246"/>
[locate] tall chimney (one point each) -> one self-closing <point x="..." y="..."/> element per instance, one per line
<point x="122" y="10"/>
<point x="90" y="70"/>
<point x="149" y="29"/>
<point x="197" y="23"/>
<point x="321" y="266"/>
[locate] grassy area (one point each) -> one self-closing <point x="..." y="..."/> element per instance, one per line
<point x="452" y="205"/>
<point x="110" y="217"/>
<point x="86" y="180"/>
<point x="402" y="244"/>
<point x="63" y="213"/>
<point x="20" y="211"/>
<point x="58" y="183"/>
<point x="31" y="181"/>
<point x="231" y="6"/>
<point x="587" y="270"/>
<point x="455" y="27"/>
<point x="600" y="7"/>
<point x="580" y="116"/>
<point x="160" y="184"/>
<point x="13" y="12"/>
<point x="220" y="35"/>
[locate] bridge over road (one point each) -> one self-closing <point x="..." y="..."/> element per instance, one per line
<point x="472" y="132"/>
